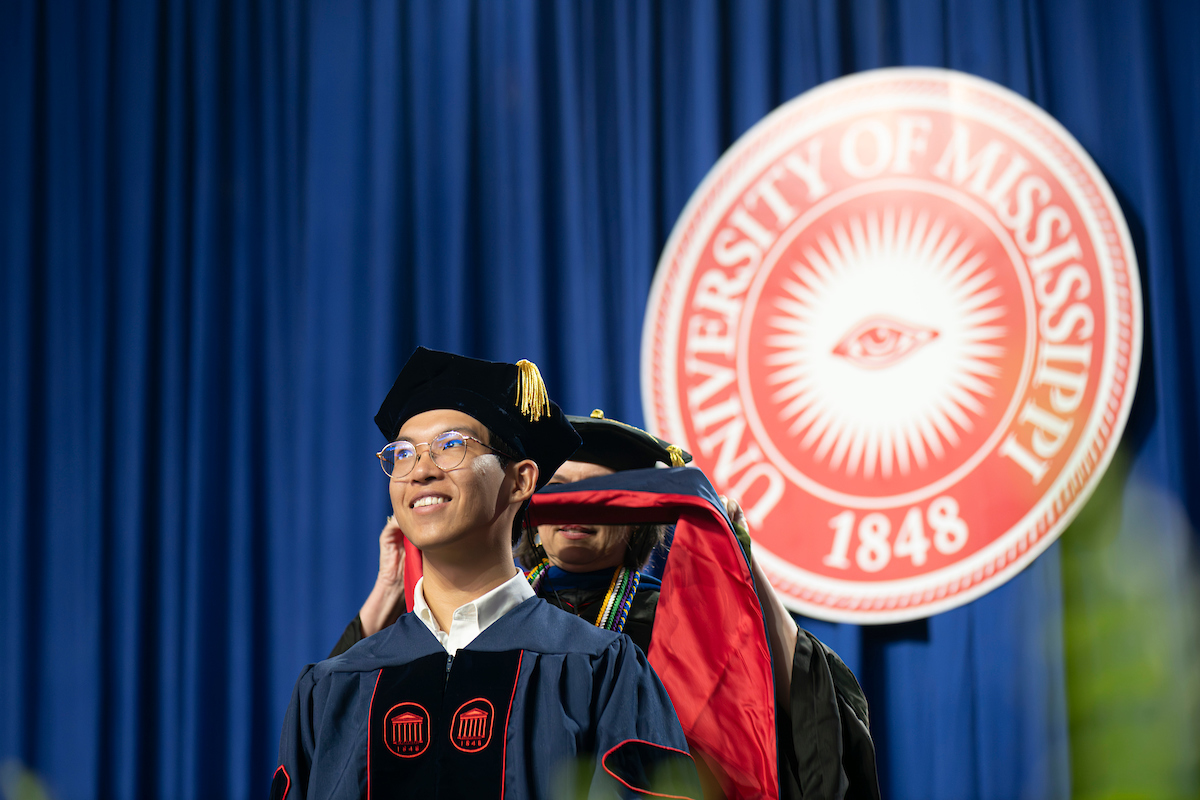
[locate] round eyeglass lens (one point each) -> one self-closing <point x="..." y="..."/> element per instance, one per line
<point x="448" y="449"/>
<point x="398" y="458"/>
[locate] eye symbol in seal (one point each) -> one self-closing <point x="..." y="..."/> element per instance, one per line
<point x="879" y="342"/>
<point x="406" y="730"/>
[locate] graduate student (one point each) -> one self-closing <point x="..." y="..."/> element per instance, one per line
<point x="592" y="571"/>
<point x="483" y="690"/>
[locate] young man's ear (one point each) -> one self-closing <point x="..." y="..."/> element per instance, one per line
<point x="526" y="480"/>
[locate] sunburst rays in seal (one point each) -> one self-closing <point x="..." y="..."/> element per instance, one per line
<point x="885" y="341"/>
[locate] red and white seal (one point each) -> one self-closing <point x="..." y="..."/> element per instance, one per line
<point x="901" y="321"/>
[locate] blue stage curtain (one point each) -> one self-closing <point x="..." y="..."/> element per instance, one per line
<point x="224" y="225"/>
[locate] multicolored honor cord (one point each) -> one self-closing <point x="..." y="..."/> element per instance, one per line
<point x="617" y="600"/>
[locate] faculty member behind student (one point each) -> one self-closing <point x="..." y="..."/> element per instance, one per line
<point x="484" y="690"/>
<point x="591" y="571"/>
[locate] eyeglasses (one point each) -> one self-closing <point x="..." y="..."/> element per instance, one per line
<point x="446" y="450"/>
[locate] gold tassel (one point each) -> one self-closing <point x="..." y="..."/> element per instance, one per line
<point x="676" y="455"/>
<point x="531" y="391"/>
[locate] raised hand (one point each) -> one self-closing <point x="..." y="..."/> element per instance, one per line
<point x="385" y="604"/>
<point x="780" y="624"/>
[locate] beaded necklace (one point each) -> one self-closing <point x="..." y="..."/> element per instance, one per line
<point x="617" y="600"/>
<point x="537" y="575"/>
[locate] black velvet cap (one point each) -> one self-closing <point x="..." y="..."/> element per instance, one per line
<point x="619" y="446"/>
<point x="510" y="399"/>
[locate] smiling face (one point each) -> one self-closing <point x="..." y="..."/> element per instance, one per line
<point x="583" y="548"/>
<point x="469" y="506"/>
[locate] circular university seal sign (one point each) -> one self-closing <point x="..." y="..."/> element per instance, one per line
<point x="901" y="321"/>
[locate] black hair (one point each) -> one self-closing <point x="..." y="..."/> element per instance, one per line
<point x="505" y="454"/>
<point x="504" y="451"/>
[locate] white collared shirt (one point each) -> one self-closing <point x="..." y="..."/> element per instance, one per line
<point x="473" y="618"/>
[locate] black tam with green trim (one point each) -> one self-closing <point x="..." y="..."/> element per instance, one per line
<point x="619" y="446"/>
<point x="510" y="399"/>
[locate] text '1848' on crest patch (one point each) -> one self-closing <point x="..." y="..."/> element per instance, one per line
<point x="406" y="730"/>
<point x="471" y="726"/>
<point x="900" y="320"/>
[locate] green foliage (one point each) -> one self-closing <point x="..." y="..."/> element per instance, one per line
<point x="573" y="780"/>
<point x="19" y="783"/>
<point x="1132" y="636"/>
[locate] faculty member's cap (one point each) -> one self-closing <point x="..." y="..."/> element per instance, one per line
<point x="619" y="446"/>
<point x="510" y="399"/>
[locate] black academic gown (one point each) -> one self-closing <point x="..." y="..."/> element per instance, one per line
<point x="824" y="732"/>
<point x="538" y="702"/>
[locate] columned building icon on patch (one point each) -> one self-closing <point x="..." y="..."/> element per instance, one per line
<point x="471" y="727"/>
<point x="408" y="730"/>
